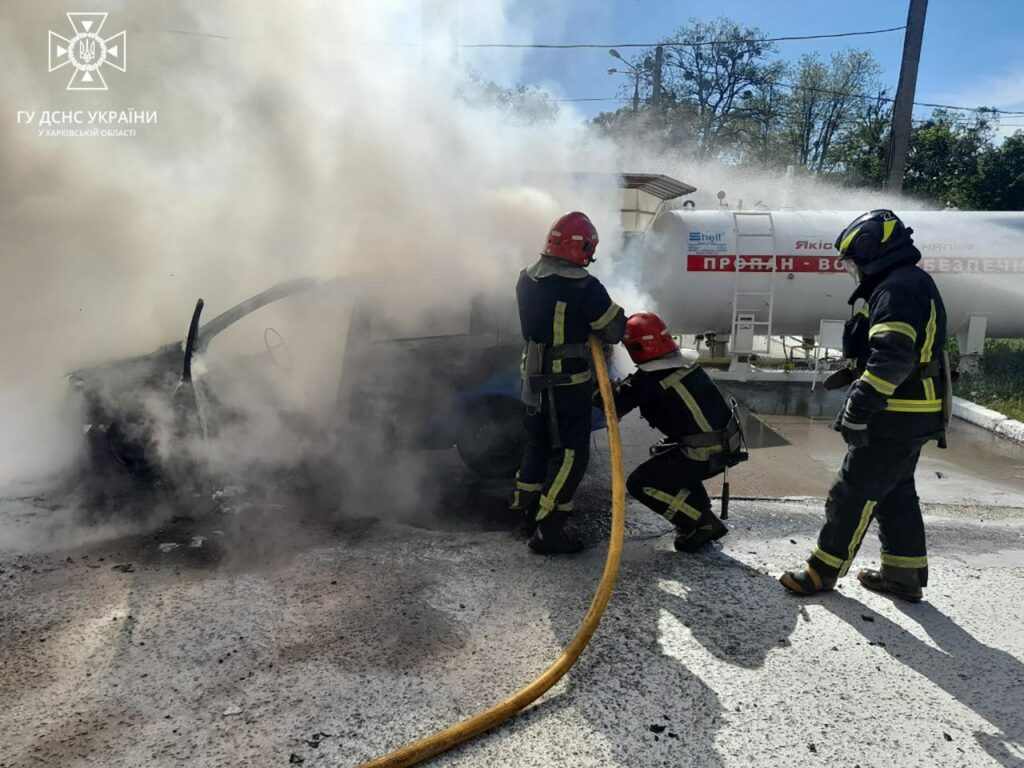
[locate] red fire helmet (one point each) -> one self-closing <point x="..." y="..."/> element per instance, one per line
<point x="647" y="338"/>
<point x="572" y="238"/>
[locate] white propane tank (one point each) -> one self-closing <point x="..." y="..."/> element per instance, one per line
<point x="688" y="264"/>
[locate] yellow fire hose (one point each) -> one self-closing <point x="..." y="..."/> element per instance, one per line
<point x="499" y="713"/>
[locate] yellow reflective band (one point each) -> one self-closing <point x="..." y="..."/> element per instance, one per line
<point x="898" y="561"/>
<point x="864" y="311"/>
<point x="576" y="378"/>
<point x="881" y="385"/>
<point x="567" y="507"/>
<point x="549" y="499"/>
<point x="698" y="414"/>
<point x="926" y="352"/>
<point x="847" y="240"/>
<point x="905" y="328"/>
<point x="675" y="503"/>
<point x="929" y="336"/>
<point x="887" y="229"/>
<point x="558" y="333"/>
<point x="858" y="535"/>
<point x="521" y="486"/>
<point x="826" y="558"/>
<point x="607" y="317"/>
<point x="914" y="406"/>
<point x="701" y="454"/>
<point x="675" y="378"/>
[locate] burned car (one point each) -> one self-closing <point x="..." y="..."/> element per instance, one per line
<point x="313" y="368"/>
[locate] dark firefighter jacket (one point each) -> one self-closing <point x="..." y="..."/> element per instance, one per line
<point x="562" y="304"/>
<point x="895" y="340"/>
<point x="679" y="402"/>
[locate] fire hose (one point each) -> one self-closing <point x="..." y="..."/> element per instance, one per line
<point x="442" y="741"/>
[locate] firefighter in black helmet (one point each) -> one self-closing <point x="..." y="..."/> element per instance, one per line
<point x="560" y="305"/>
<point x="899" y="399"/>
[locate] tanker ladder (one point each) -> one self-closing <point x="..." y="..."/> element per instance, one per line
<point x="753" y="301"/>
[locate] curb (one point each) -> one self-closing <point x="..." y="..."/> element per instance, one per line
<point x="989" y="420"/>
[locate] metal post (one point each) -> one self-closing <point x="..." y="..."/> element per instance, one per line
<point x="656" y="96"/>
<point x="636" y="91"/>
<point x="903" y="109"/>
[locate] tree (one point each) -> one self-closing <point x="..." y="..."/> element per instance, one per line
<point x="863" y="151"/>
<point x="522" y="103"/>
<point x="715" y="65"/>
<point x="942" y="164"/>
<point x="825" y="102"/>
<point x="762" y="117"/>
<point x="1000" y="179"/>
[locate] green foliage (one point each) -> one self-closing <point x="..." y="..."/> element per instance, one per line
<point x="1000" y="181"/>
<point x="725" y="96"/>
<point x="999" y="384"/>
<point x="944" y="155"/>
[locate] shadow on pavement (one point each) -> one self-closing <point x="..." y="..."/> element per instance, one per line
<point x="988" y="681"/>
<point x="651" y="707"/>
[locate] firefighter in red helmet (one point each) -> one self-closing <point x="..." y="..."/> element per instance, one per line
<point x="560" y="305"/>
<point x="702" y="434"/>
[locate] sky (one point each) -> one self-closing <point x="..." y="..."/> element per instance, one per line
<point x="971" y="54"/>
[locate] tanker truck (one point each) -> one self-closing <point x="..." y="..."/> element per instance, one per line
<point x="746" y="276"/>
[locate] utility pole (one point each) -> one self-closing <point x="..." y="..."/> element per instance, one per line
<point x="903" y="109"/>
<point x="656" y="96"/>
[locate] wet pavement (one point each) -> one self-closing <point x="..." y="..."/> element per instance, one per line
<point x="266" y="632"/>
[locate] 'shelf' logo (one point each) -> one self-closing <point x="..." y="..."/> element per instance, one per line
<point x="87" y="52"/>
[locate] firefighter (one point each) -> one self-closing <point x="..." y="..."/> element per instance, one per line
<point x="560" y="305"/>
<point x="702" y="435"/>
<point x="899" y="400"/>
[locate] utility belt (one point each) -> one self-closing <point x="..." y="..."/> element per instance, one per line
<point x="730" y="440"/>
<point x="933" y="369"/>
<point x="539" y="377"/>
<point x="941" y="368"/>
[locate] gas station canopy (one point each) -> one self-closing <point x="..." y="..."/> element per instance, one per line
<point x="643" y="195"/>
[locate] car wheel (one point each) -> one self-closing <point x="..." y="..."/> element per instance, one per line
<point x="491" y="437"/>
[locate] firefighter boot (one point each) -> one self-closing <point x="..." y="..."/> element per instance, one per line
<point x="807" y="581"/>
<point x="709" y="528"/>
<point x="524" y="505"/>
<point x="550" y="537"/>
<point x="528" y="523"/>
<point x="876" y="582"/>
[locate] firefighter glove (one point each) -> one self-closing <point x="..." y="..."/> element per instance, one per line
<point x="854" y="433"/>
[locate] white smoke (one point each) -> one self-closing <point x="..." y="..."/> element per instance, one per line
<point x="292" y="140"/>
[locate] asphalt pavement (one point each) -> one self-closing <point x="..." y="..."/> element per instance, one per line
<point x="264" y="632"/>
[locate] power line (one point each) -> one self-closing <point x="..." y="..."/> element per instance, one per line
<point x="573" y="46"/>
<point x="827" y="92"/>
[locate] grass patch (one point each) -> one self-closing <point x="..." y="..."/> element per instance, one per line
<point x="999" y="384"/>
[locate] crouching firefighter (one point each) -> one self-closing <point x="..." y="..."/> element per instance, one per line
<point x="702" y="433"/>
<point x="560" y="305"/>
<point x="899" y="399"/>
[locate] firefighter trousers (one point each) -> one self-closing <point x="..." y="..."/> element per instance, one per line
<point x="672" y="485"/>
<point x="875" y="482"/>
<point x="555" y="458"/>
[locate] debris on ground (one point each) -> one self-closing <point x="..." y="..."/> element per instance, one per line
<point x="295" y="759"/>
<point x="232" y="711"/>
<point x="168" y="546"/>
<point x="123" y="567"/>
